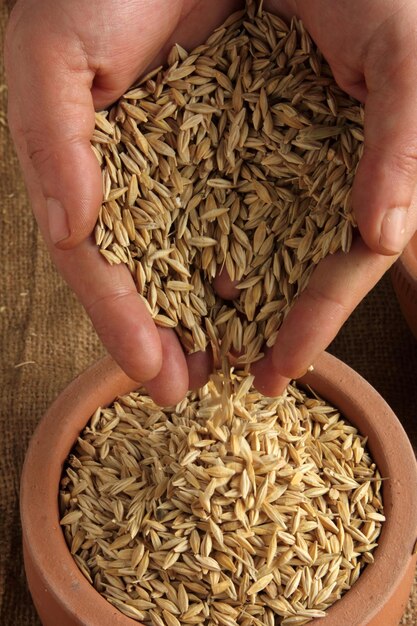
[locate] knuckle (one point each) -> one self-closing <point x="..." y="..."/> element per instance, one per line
<point x="45" y="149"/>
<point x="98" y="304"/>
<point x="39" y="151"/>
<point x="402" y="161"/>
<point x="406" y="162"/>
<point x="319" y="298"/>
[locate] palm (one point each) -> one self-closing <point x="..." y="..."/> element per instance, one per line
<point x="142" y="35"/>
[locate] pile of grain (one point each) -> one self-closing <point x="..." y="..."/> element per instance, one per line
<point x="228" y="509"/>
<point x="238" y="155"/>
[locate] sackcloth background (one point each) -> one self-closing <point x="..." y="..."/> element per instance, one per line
<point x="46" y="340"/>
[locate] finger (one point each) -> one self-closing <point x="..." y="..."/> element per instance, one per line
<point x="118" y="314"/>
<point x="224" y="287"/>
<point x="336" y="287"/>
<point x="107" y="293"/>
<point x="171" y="384"/>
<point x="384" y="187"/>
<point x="268" y="380"/>
<point x="52" y="114"/>
<point x="200" y="366"/>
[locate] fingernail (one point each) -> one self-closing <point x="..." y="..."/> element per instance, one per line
<point x="393" y="229"/>
<point x="57" y="221"/>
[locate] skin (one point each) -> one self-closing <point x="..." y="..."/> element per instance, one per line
<point x="65" y="59"/>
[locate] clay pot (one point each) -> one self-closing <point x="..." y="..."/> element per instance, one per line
<point x="404" y="280"/>
<point x="62" y="595"/>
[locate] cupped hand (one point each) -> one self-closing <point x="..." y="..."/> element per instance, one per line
<point x="371" y="46"/>
<point x="63" y="61"/>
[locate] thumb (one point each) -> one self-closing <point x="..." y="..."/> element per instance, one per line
<point x="52" y="118"/>
<point x="384" y="188"/>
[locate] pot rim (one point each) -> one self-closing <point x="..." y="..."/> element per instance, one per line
<point x="331" y="379"/>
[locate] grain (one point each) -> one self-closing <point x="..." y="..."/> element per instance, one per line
<point x="239" y="155"/>
<point x="223" y="509"/>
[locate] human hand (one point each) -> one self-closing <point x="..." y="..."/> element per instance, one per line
<point x="63" y="60"/>
<point x="56" y="58"/>
<point x="371" y="46"/>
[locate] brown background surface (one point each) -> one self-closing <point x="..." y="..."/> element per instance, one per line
<point x="46" y="339"/>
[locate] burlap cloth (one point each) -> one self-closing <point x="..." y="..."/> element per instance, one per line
<point x="46" y="340"/>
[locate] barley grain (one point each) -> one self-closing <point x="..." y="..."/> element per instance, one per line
<point x="238" y="155"/>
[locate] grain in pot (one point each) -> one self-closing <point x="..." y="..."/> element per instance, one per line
<point x="230" y="508"/>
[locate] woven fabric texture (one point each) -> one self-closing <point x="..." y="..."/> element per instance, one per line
<point x="46" y="340"/>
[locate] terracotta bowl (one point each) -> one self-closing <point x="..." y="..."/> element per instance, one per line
<point x="404" y="280"/>
<point x="62" y="595"/>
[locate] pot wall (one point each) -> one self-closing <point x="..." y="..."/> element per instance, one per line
<point x="62" y="595"/>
